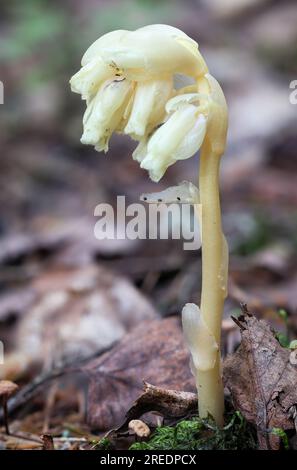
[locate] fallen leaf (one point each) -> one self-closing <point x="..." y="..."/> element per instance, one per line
<point x="169" y="403"/>
<point x="20" y="444"/>
<point x="262" y="380"/>
<point x="16" y="246"/>
<point x="154" y="352"/>
<point x="14" y="303"/>
<point x="76" y="313"/>
<point x="280" y="295"/>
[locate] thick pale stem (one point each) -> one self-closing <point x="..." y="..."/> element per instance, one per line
<point x="210" y="387"/>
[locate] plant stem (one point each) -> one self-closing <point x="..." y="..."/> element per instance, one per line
<point x="210" y="387"/>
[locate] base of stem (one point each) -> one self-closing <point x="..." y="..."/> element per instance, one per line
<point x="211" y="394"/>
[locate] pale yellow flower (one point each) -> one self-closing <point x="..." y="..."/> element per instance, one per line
<point x="127" y="81"/>
<point x="90" y="77"/>
<point x="179" y="138"/>
<point x="148" y="108"/>
<point x="105" y="112"/>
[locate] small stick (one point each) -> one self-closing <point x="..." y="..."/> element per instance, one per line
<point x="31" y="390"/>
<point x="7" y="388"/>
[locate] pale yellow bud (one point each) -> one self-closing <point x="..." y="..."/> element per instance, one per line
<point x="192" y="141"/>
<point x="180" y="137"/>
<point x="168" y="137"/>
<point x="105" y="112"/>
<point x="89" y="78"/>
<point x="148" y="107"/>
<point x="140" y="151"/>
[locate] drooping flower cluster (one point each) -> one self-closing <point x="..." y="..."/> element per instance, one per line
<point x="127" y="80"/>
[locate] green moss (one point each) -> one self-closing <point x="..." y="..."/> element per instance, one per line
<point x="198" y="434"/>
<point x="284" y="338"/>
<point x="103" y="444"/>
<point x="283" y="437"/>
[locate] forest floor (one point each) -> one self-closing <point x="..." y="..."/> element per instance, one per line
<point x="85" y="322"/>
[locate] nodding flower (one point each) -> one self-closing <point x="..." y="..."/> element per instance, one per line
<point x="127" y="80"/>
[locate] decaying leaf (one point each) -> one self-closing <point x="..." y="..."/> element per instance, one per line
<point x="169" y="403"/>
<point x="16" y="246"/>
<point x="13" y="304"/>
<point x="154" y="352"/>
<point x="262" y="380"/>
<point x="281" y="294"/>
<point x="76" y="313"/>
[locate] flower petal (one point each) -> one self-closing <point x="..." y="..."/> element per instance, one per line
<point x="178" y="138"/>
<point x="106" y="40"/>
<point x="104" y="112"/>
<point x="179" y="100"/>
<point x="141" y="151"/>
<point x="155" y="167"/>
<point x="148" y="106"/>
<point x="155" y="50"/>
<point x="169" y="30"/>
<point x="192" y="141"/>
<point x="89" y="78"/>
<point x="168" y="137"/>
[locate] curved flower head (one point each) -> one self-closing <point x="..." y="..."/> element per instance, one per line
<point x="178" y="138"/>
<point x="151" y="51"/>
<point x="127" y="80"/>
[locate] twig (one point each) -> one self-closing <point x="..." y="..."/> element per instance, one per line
<point x="32" y="389"/>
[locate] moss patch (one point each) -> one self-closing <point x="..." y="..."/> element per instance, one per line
<point x="198" y="434"/>
<point x="103" y="444"/>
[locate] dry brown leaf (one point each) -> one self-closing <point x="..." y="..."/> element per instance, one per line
<point x="16" y="246"/>
<point x="169" y="403"/>
<point x="266" y="300"/>
<point x="20" y="444"/>
<point x="76" y="313"/>
<point x="262" y="380"/>
<point x="14" y="303"/>
<point x="154" y="352"/>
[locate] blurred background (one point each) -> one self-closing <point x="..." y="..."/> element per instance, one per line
<point x="51" y="183"/>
